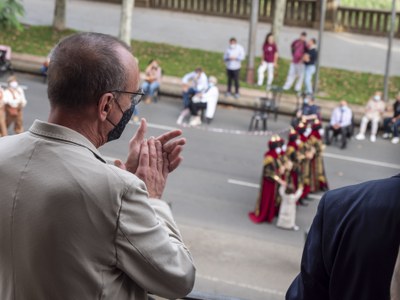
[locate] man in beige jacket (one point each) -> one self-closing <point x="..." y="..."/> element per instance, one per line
<point x="71" y="225"/>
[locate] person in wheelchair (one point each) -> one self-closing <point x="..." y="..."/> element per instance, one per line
<point x="308" y="112"/>
<point x="340" y="124"/>
<point x="5" y="58"/>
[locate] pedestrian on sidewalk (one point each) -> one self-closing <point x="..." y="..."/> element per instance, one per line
<point x="310" y="59"/>
<point x="296" y="69"/>
<point x="269" y="62"/>
<point x="373" y="112"/>
<point x="392" y="124"/>
<point x="15" y="101"/>
<point x="233" y="57"/>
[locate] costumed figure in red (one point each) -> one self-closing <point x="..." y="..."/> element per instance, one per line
<point x="318" y="181"/>
<point x="293" y="154"/>
<point x="307" y="153"/>
<point x="266" y="208"/>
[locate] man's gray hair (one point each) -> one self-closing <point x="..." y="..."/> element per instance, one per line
<point x="84" y="66"/>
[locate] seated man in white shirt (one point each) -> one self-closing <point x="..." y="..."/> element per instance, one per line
<point x="193" y="83"/>
<point x="341" y="122"/>
<point x="207" y="100"/>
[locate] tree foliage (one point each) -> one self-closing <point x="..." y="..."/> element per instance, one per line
<point x="10" y="11"/>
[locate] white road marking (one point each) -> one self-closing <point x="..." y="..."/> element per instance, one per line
<point x="242" y="285"/>
<point x="363" y="161"/>
<point x="244" y="183"/>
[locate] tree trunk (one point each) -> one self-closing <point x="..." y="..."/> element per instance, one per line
<point x="126" y="21"/>
<point x="59" y="15"/>
<point x="278" y="18"/>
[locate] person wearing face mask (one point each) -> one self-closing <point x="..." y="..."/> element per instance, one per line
<point x="233" y="57"/>
<point x="318" y="180"/>
<point x="269" y="62"/>
<point x="340" y="124"/>
<point x="3" y="125"/>
<point x="373" y="112"/>
<point x="307" y="153"/>
<point x="193" y="83"/>
<point x="392" y="124"/>
<point x="73" y="226"/>
<point x="15" y="101"/>
<point x="266" y="208"/>
<point x="152" y="79"/>
<point x="204" y="101"/>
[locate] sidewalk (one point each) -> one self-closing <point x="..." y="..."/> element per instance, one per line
<point x="340" y="50"/>
<point x="172" y="86"/>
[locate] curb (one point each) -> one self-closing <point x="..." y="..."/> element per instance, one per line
<point x="171" y="86"/>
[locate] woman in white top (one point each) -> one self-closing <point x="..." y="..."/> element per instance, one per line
<point x="15" y="101"/>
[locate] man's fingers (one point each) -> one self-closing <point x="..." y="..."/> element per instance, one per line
<point x="140" y="132"/>
<point x="118" y="163"/>
<point x="164" y="138"/>
<point x="160" y="156"/>
<point x="165" y="166"/>
<point x="173" y="164"/>
<point x="170" y="146"/>
<point x="144" y="155"/>
<point x="152" y="153"/>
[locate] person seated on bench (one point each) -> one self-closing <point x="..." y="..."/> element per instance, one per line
<point x="340" y="123"/>
<point x="308" y="113"/>
<point x="193" y="83"/>
<point x="5" y="58"/>
<point x="206" y="100"/>
<point x="152" y="79"/>
<point x="392" y="124"/>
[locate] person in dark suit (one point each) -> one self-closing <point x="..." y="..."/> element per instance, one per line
<point x="353" y="243"/>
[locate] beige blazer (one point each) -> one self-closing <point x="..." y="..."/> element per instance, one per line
<point x="74" y="227"/>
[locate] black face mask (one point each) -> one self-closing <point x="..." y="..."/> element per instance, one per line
<point x="119" y="128"/>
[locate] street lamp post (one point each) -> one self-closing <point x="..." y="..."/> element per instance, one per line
<point x="252" y="41"/>
<point x="389" y="52"/>
<point x="320" y="35"/>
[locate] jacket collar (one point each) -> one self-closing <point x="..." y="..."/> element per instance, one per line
<point x="62" y="133"/>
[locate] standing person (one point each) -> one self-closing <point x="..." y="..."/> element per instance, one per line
<point x="270" y="180"/>
<point x="71" y="225"/>
<point x="296" y="69"/>
<point x="15" y="101"/>
<point x="310" y="58"/>
<point x="392" y="123"/>
<point x="287" y="210"/>
<point x="3" y="124"/>
<point x="269" y="62"/>
<point x="352" y="245"/>
<point x="318" y="180"/>
<point x="373" y="112"/>
<point x="233" y="57"/>
<point x="152" y="79"/>
<point x="193" y="83"/>
<point x="340" y="123"/>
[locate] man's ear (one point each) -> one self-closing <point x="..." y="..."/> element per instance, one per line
<point x="105" y="104"/>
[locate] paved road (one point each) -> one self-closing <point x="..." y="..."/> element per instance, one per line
<point x="340" y="50"/>
<point x="215" y="188"/>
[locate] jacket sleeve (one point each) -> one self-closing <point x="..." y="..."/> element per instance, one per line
<point x="312" y="282"/>
<point x="149" y="247"/>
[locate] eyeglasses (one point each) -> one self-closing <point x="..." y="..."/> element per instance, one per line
<point x="136" y="97"/>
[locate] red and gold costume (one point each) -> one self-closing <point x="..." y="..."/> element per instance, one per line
<point x="306" y="152"/>
<point x="318" y="181"/>
<point x="292" y="153"/>
<point x="266" y="204"/>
